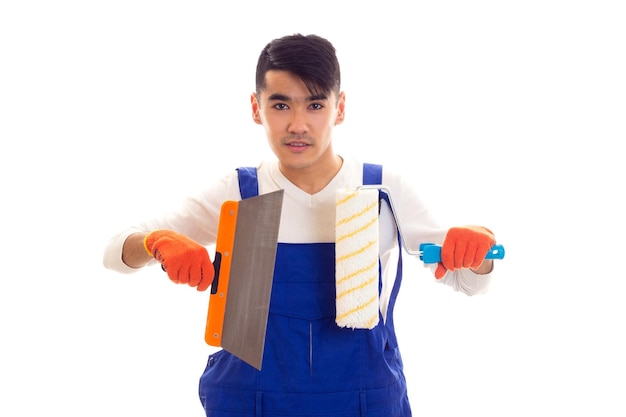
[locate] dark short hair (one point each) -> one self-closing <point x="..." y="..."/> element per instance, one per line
<point x="310" y="57"/>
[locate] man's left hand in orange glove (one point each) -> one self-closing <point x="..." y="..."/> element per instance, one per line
<point x="466" y="247"/>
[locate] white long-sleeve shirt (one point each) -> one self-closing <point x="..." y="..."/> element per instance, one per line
<point x="307" y="218"/>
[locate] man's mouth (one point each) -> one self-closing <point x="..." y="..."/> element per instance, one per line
<point x="297" y="146"/>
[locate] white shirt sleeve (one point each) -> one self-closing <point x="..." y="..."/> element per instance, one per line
<point x="418" y="225"/>
<point x="197" y="218"/>
<point x="113" y="252"/>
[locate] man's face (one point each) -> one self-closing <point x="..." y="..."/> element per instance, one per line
<point x="298" y="125"/>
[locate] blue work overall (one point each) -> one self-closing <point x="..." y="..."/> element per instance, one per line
<point x="311" y="367"/>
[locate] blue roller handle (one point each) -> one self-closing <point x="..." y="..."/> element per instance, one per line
<point x="431" y="253"/>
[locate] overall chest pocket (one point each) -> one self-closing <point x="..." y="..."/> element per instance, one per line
<point x="304" y="281"/>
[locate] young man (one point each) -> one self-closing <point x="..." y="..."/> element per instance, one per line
<point x="311" y="366"/>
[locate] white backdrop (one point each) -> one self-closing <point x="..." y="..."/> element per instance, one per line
<point x="508" y="114"/>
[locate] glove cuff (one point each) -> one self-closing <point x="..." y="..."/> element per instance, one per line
<point x="145" y="244"/>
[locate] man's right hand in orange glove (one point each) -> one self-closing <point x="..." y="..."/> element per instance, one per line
<point x="184" y="260"/>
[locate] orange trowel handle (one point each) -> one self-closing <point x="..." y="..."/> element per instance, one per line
<point x="222" y="262"/>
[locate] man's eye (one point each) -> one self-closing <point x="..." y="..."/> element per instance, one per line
<point x="280" y="106"/>
<point x="316" y="106"/>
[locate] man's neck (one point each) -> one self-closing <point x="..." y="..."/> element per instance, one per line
<point x="313" y="179"/>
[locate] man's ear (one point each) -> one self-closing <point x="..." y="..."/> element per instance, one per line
<point x="256" y="117"/>
<point x="341" y="108"/>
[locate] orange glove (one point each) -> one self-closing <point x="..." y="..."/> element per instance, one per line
<point x="464" y="247"/>
<point x="184" y="260"/>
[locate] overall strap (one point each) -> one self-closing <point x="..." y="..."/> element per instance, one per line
<point x="248" y="182"/>
<point x="373" y="175"/>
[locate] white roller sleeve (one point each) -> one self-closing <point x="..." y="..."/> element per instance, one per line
<point x="356" y="258"/>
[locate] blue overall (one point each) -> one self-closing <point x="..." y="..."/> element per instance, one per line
<point x="311" y="367"/>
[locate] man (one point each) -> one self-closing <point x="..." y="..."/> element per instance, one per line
<point x="311" y="366"/>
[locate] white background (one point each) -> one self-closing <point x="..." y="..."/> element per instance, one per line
<point x="507" y="114"/>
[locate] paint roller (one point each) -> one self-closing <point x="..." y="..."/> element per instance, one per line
<point x="357" y="251"/>
<point x="356" y="258"/>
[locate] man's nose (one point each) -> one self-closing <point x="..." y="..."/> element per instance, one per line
<point x="298" y="122"/>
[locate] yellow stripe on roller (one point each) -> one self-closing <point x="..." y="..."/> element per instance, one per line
<point x="359" y="230"/>
<point x="357" y="272"/>
<point x="363" y="285"/>
<point x="354" y="310"/>
<point x="363" y="249"/>
<point x="372" y="320"/>
<point x="355" y="215"/>
<point x="348" y="197"/>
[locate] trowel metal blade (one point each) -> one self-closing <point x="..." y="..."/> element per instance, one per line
<point x="250" y="277"/>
